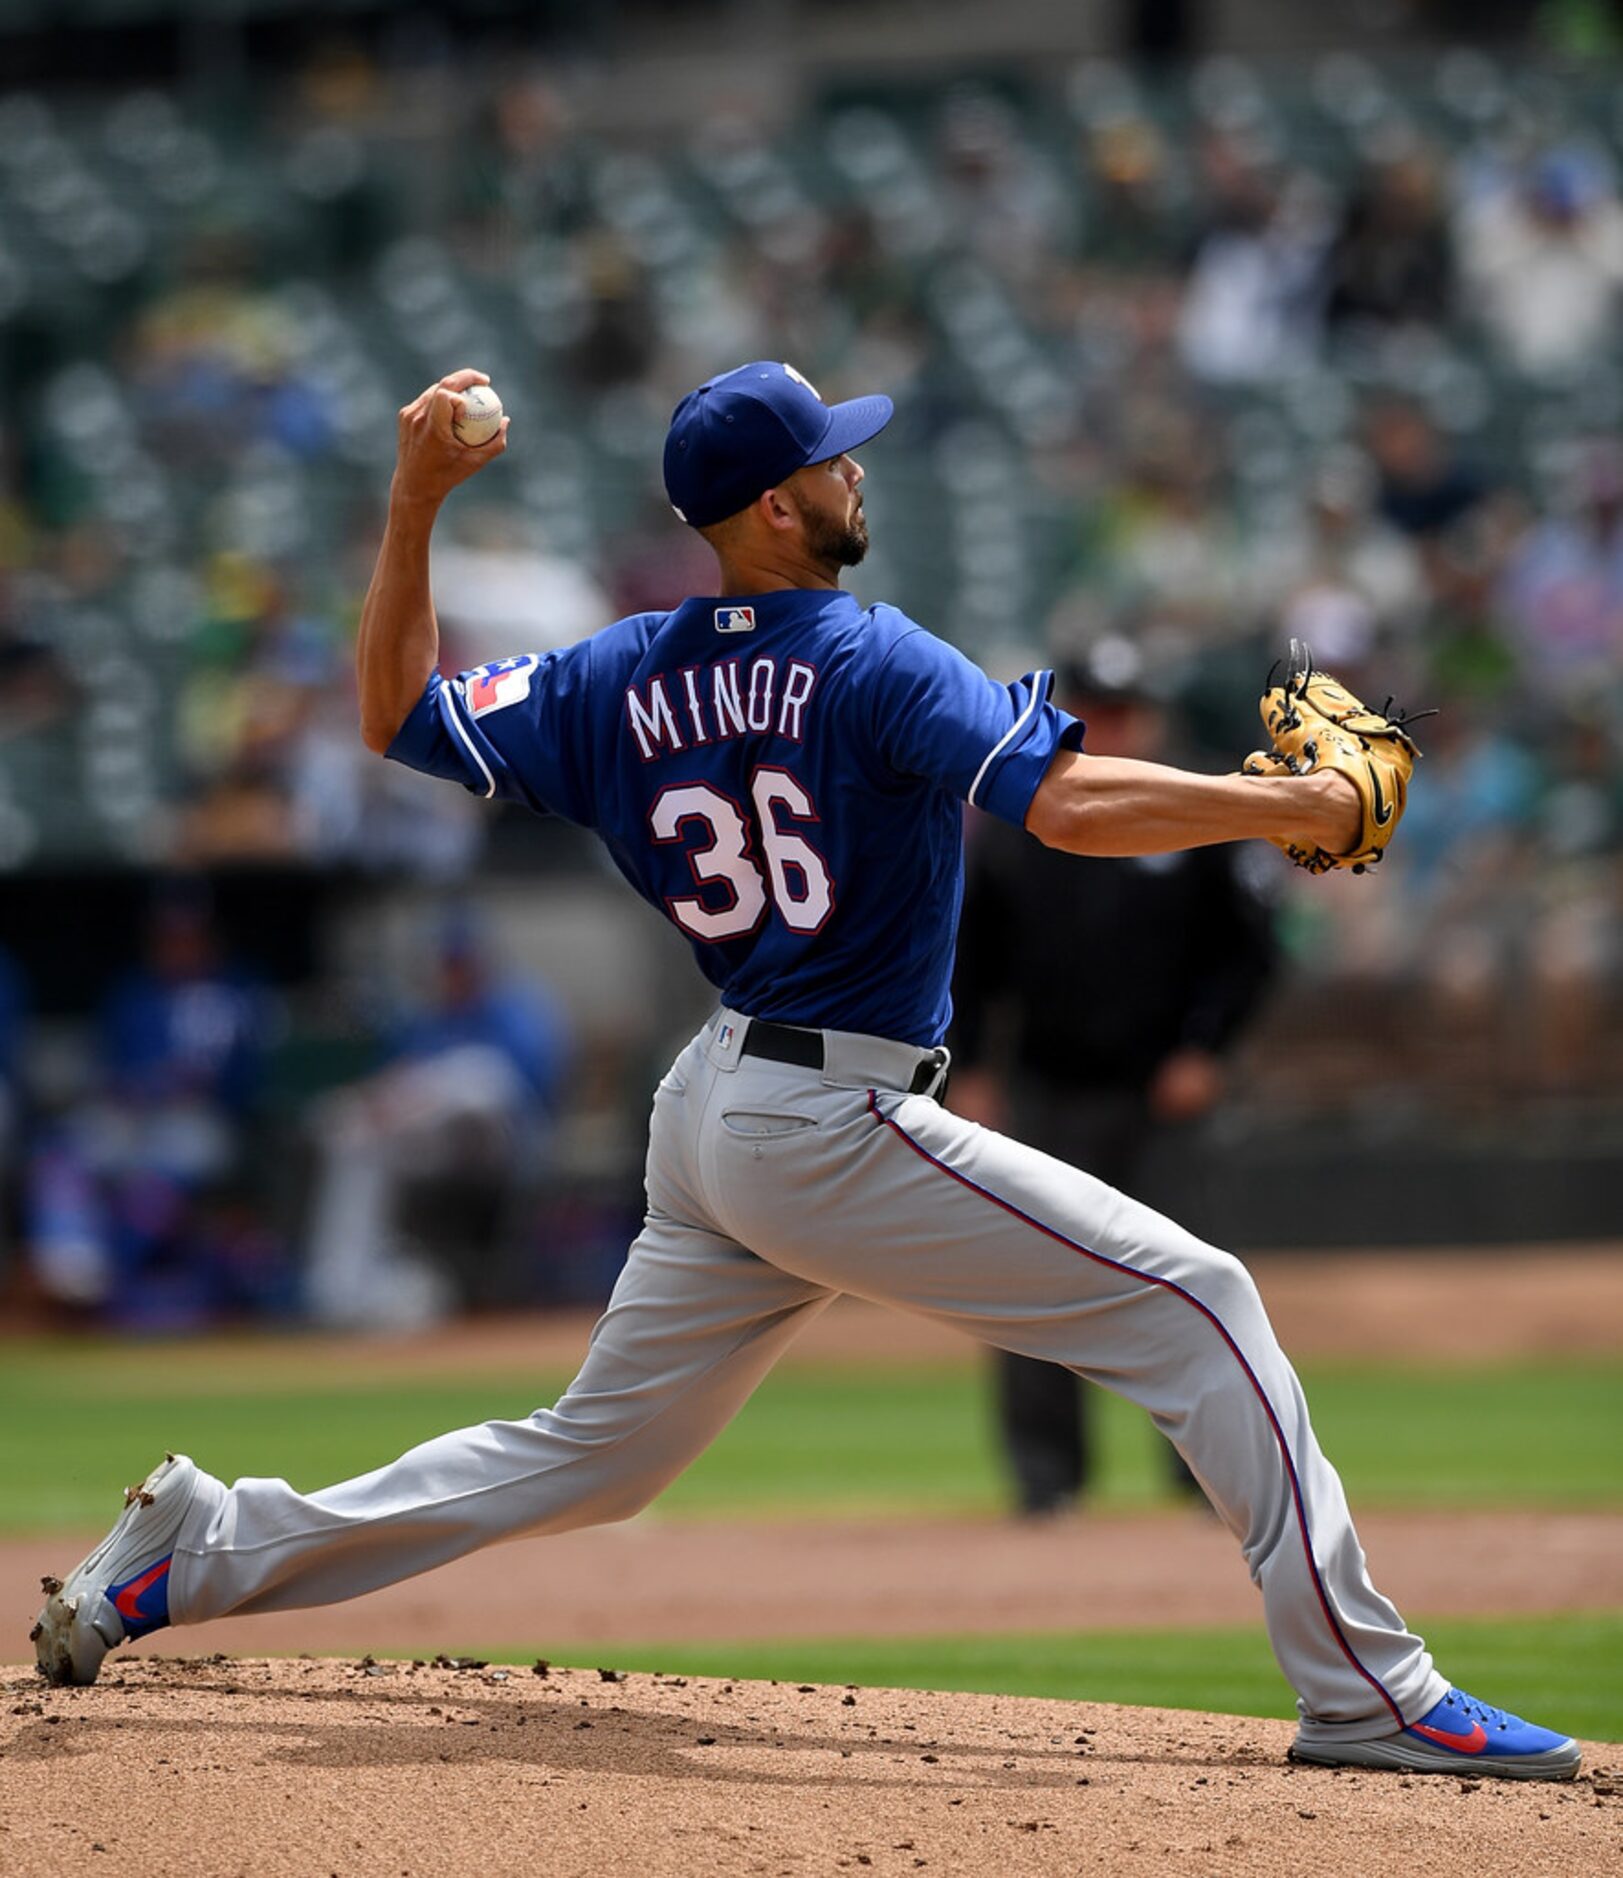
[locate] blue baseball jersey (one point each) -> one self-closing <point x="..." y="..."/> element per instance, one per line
<point x="780" y="775"/>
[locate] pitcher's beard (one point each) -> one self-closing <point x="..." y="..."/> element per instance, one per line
<point x="842" y="543"/>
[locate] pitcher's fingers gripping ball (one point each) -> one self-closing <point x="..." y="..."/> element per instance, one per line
<point x="1315" y="723"/>
<point x="480" y="417"/>
<point x="434" y="455"/>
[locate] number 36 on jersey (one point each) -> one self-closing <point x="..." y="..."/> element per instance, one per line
<point x="734" y="888"/>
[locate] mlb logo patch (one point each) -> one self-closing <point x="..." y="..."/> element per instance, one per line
<point x="724" y="1036"/>
<point x="735" y="619"/>
<point x="494" y="687"/>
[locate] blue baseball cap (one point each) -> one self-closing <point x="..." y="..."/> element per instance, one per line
<point x="745" y="430"/>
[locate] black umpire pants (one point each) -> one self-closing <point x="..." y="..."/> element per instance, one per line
<point x="1042" y="1408"/>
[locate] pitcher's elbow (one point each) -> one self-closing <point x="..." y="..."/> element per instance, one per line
<point x="1060" y="812"/>
<point x="1041" y="821"/>
<point x="1056" y="825"/>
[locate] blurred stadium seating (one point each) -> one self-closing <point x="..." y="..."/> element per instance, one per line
<point x="1086" y="291"/>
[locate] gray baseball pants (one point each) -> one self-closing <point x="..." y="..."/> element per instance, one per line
<point x="771" y="1189"/>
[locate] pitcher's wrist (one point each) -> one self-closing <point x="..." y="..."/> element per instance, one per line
<point x="1341" y="813"/>
<point x="413" y="505"/>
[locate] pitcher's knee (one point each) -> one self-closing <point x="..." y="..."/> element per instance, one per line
<point x="623" y="1500"/>
<point x="1224" y="1286"/>
<point x="607" y="1464"/>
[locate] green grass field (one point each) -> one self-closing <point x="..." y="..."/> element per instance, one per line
<point x="76" y="1422"/>
<point x="1546" y="1667"/>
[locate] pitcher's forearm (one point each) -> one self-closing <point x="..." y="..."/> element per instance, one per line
<point x="1108" y="805"/>
<point x="398" y="645"/>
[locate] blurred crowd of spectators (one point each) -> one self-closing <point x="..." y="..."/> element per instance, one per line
<point x="1209" y="362"/>
<point x="148" y="1181"/>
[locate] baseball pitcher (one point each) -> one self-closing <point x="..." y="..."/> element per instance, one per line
<point x="781" y="772"/>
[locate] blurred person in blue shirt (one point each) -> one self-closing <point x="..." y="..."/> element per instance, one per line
<point x="117" y="1214"/>
<point x="1563" y="584"/>
<point x="472" y="1076"/>
<point x="185" y="1029"/>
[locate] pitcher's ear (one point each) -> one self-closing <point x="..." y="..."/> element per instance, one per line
<point x="778" y="508"/>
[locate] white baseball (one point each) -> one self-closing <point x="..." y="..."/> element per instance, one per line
<point x="481" y="416"/>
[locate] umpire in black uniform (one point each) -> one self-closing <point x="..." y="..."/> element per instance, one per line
<point x="1095" y="998"/>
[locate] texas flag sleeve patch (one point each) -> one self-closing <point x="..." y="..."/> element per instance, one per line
<point x="494" y="687"/>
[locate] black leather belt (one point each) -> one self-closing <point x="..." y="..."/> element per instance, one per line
<point x="783" y="1043"/>
<point x="787" y="1043"/>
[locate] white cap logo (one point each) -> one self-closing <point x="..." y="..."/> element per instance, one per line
<point x="800" y="378"/>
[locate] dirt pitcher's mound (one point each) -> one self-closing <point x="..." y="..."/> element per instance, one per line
<point x="207" y="1766"/>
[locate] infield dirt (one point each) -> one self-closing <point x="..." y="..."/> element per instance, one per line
<point x="206" y="1766"/>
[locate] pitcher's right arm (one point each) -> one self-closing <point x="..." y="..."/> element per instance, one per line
<point x="398" y="645"/>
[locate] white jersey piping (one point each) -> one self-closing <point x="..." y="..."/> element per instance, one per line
<point x="456" y="725"/>
<point x="1042" y="684"/>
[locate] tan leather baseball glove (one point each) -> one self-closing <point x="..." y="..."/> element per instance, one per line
<point x="1315" y="723"/>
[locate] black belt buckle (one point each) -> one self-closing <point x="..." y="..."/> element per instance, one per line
<point x="783" y="1043"/>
